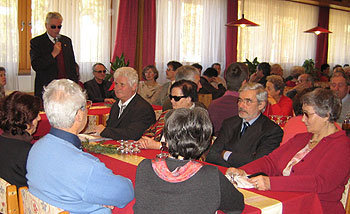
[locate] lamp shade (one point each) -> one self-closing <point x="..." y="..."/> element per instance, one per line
<point x="241" y="23"/>
<point x="318" y="30"/>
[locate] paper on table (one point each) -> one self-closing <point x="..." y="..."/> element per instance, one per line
<point x="92" y="137"/>
<point x="240" y="181"/>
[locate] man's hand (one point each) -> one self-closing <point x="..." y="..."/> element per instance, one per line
<point x="56" y="49"/>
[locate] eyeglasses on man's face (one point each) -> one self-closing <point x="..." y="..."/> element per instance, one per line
<point x="54" y="26"/>
<point x="176" y="98"/>
<point x="247" y="102"/>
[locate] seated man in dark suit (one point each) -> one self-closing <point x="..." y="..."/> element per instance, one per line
<point x="97" y="88"/>
<point x="249" y="135"/>
<point x="211" y="75"/>
<point x="226" y="106"/>
<point x="130" y="115"/>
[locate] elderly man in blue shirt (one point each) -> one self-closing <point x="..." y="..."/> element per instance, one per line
<point x="59" y="172"/>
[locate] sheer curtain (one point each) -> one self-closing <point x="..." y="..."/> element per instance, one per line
<point x="339" y="40"/>
<point x="280" y="38"/>
<point x="9" y="42"/>
<point x="190" y="31"/>
<point x="86" y="22"/>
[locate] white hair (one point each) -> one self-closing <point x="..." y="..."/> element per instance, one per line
<point x="261" y="93"/>
<point x="128" y="72"/>
<point x="52" y="15"/>
<point x="62" y="100"/>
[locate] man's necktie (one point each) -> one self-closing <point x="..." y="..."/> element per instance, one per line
<point x="245" y="126"/>
<point x="55" y="39"/>
<point x="122" y="107"/>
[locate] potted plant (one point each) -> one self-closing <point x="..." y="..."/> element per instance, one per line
<point x="252" y="65"/>
<point x="309" y="66"/>
<point x="118" y="63"/>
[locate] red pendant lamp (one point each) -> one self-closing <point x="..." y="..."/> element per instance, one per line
<point x="317" y="30"/>
<point x="242" y="22"/>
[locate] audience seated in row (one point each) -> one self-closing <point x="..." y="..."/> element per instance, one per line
<point x="19" y="116"/>
<point x="317" y="161"/>
<point x="210" y="75"/>
<point x="226" y="106"/>
<point x="130" y="115"/>
<point x="149" y="86"/>
<point x="249" y="135"/>
<point x="179" y="184"/>
<point x="98" y="88"/>
<point x="59" y="172"/>
<point x="183" y="94"/>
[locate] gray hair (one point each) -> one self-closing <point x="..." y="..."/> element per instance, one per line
<point x="277" y="82"/>
<point x="53" y="15"/>
<point x="324" y="102"/>
<point x="186" y="72"/>
<point x="62" y="100"/>
<point x="261" y="93"/>
<point x="187" y="132"/>
<point x="96" y="64"/>
<point x="128" y="72"/>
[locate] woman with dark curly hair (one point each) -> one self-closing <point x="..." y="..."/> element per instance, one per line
<point x="317" y="161"/>
<point x="179" y="184"/>
<point x="19" y="117"/>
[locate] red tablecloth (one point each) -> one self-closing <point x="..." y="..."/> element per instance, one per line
<point x="292" y="202"/>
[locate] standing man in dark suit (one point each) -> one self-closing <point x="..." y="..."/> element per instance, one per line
<point x="98" y="88"/>
<point x="130" y="115"/>
<point x="249" y="135"/>
<point x="52" y="55"/>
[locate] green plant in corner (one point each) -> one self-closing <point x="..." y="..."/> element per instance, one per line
<point x="252" y="65"/>
<point x="118" y="63"/>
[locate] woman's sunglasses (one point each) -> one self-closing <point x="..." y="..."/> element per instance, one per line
<point x="54" y="26"/>
<point x="176" y="98"/>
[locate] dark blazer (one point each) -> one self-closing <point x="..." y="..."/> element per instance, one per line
<point x="207" y="88"/>
<point x="261" y="138"/>
<point x="135" y="119"/>
<point x="13" y="159"/>
<point x="45" y="65"/>
<point x="94" y="93"/>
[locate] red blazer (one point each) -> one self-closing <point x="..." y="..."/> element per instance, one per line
<point x="325" y="170"/>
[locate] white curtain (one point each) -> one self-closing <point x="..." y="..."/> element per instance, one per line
<point x="86" y="22"/>
<point x="280" y="38"/>
<point x="339" y="40"/>
<point x="190" y="31"/>
<point x="9" y="49"/>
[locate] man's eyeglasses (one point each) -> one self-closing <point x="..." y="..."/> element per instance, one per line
<point x="103" y="71"/>
<point x="247" y="102"/>
<point x="54" y="26"/>
<point x="176" y="98"/>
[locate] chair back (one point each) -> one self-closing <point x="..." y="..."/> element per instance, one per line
<point x="28" y="203"/>
<point x="8" y="198"/>
<point x="346" y="198"/>
<point x="205" y="99"/>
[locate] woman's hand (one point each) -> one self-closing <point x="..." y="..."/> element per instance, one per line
<point x="271" y="100"/>
<point x="261" y="182"/>
<point x="235" y="172"/>
<point x="149" y="143"/>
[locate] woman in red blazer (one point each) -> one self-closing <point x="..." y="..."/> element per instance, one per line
<point x="317" y="161"/>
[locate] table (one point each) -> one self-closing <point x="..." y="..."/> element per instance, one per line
<point x="256" y="201"/>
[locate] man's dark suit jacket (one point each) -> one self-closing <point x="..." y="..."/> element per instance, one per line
<point x="94" y="93"/>
<point x="135" y="119"/>
<point x="207" y="88"/>
<point x="261" y="138"/>
<point x="45" y="65"/>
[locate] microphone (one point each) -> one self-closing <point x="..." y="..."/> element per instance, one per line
<point x="58" y="37"/>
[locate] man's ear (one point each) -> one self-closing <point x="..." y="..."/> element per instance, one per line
<point x="79" y="116"/>
<point x="261" y="105"/>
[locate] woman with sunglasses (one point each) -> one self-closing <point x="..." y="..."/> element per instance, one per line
<point x="149" y="86"/>
<point x="98" y="88"/>
<point x="317" y="161"/>
<point x="183" y="94"/>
